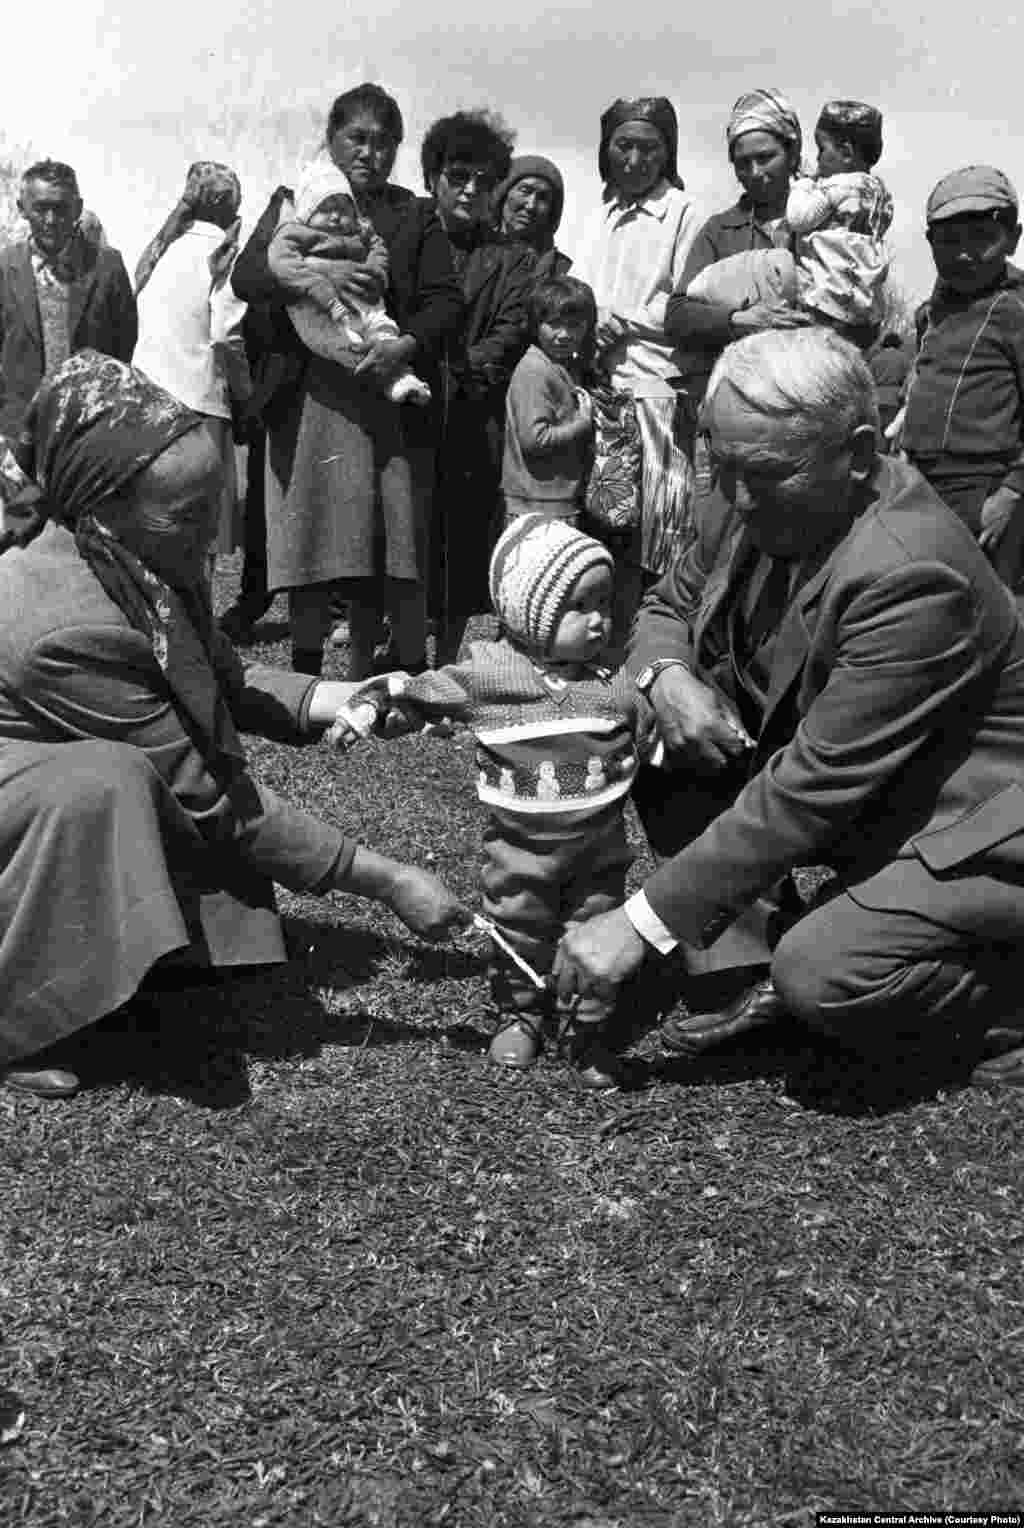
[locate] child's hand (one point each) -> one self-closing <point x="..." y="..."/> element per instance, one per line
<point x="997" y="512"/>
<point x="610" y="329"/>
<point x="584" y="405"/>
<point x="353" y="724"/>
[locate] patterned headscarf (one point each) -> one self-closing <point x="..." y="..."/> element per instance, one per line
<point x="659" y="112"/>
<point x="90" y="430"/>
<point x="765" y="111"/>
<point x="210" y="190"/>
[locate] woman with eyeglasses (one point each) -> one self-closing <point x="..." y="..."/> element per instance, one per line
<point x="464" y="158"/>
<point x="632" y="254"/>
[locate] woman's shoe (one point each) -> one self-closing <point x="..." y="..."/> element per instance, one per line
<point x="43" y="1082"/>
<point x="237" y="623"/>
<point x="516" y="1045"/>
<point x="1005" y="1071"/>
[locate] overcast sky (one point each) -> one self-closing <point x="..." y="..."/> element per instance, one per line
<point x="131" y="93"/>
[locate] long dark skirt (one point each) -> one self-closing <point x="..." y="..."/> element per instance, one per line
<point x="340" y="496"/>
<point x="103" y="873"/>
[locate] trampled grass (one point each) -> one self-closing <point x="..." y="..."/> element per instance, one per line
<point x="299" y="1256"/>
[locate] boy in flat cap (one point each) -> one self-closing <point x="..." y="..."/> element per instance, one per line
<point x="964" y="424"/>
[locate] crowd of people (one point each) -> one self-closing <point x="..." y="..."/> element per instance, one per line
<point x="753" y="559"/>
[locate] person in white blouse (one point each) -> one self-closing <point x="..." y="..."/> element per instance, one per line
<point x="632" y="254"/>
<point x="190" y="321"/>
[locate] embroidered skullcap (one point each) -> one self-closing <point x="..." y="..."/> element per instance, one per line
<point x="856" y="122"/>
<point x="660" y="113"/>
<point x="764" y="111"/>
<point x="319" y="179"/>
<point x="536" y="564"/>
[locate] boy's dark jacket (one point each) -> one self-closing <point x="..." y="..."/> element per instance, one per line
<point x="965" y="408"/>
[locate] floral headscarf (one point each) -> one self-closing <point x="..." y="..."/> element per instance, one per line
<point x="660" y="113"/>
<point x="765" y="111"/>
<point x="90" y="430"/>
<point x="210" y="190"/>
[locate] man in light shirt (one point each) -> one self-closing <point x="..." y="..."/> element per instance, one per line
<point x="841" y="684"/>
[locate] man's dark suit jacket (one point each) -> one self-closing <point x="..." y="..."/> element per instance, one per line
<point x="892" y="743"/>
<point x="101" y="316"/>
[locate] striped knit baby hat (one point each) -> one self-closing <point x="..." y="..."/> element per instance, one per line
<point x="535" y="566"/>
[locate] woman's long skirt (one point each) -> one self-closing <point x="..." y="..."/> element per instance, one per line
<point x="666" y="523"/>
<point x="341" y="502"/>
<point x="103" y="873"/>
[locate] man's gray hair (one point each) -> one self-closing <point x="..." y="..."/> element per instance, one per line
<point x="813" y="380"/>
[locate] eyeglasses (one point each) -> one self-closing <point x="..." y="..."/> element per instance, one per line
<point x="461" y="176"/>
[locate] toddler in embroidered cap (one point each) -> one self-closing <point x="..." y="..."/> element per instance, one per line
<point x="557" y="751"/>
<point x="964" y="420"/>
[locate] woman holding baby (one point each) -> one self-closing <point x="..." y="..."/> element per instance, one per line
<point x="350" y="471"/>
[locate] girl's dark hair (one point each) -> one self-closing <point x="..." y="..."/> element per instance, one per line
<point x="472" y="137"/>
<point x="560" y="297"/>
<point x="368" y="98"/>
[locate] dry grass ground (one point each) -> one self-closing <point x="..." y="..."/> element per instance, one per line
<point x="299" y="1256"/>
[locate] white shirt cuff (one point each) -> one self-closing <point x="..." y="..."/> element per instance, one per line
<point x="648" y="925"/>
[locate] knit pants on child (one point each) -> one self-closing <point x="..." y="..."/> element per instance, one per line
<point x="539" y="875"/>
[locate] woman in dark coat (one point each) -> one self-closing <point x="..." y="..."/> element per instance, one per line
<point x="130" y="827"/>
<point x="351" y="474"/>
<point x="528" y="208"/>
<point x="464" y="158"/>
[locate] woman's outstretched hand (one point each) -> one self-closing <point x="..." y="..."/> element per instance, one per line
<point x="420" y="899"/>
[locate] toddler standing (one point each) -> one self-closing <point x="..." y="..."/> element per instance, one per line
<point x="548" y="417"/>
<point x="557" y="751"/>
<point x="329" y="226"/>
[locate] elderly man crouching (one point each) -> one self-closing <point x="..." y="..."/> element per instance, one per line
<point x="847" y="674"/>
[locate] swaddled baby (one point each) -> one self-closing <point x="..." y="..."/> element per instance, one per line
<point x="328" y="226"/>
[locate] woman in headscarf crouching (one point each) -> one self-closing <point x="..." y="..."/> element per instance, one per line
<point x="632" y="253"/>
<point x="130" y="827"/>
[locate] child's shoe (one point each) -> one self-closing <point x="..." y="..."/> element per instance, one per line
<point x="409" y="388"/>
<point x="516" y="1044"/>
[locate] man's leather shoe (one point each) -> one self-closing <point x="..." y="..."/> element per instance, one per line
<point x="756" y="1008"/>
<point x="44" y="1081"/>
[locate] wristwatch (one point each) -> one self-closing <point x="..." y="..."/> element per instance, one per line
<point x="650" y="671"/>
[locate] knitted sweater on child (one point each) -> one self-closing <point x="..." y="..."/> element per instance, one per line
<point x="545" y="745"/>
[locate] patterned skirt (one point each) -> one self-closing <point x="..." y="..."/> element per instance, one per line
<point x="666" y="523"/>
